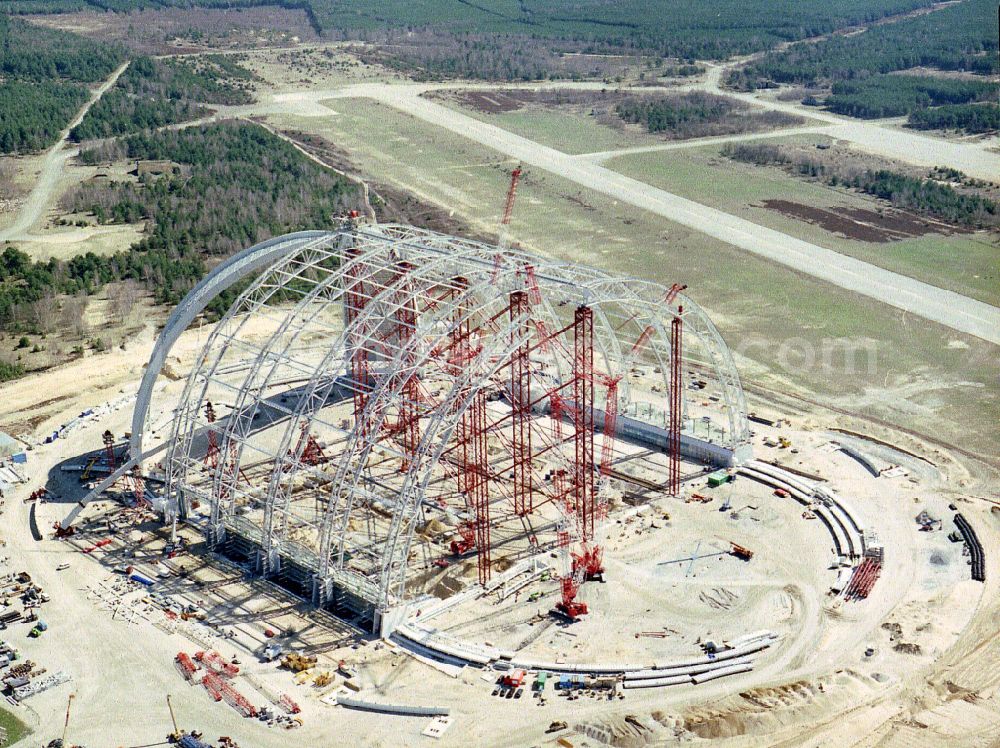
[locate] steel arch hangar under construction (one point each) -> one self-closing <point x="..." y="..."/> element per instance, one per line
<point x="394" y="397"/>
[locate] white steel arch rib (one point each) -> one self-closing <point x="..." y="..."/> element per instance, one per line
<point x="300" y="281"/>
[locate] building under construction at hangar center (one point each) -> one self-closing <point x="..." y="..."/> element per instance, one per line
<point x="382" y="401"/>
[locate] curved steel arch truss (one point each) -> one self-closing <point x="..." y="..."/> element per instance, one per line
<point x="378" y="390"/>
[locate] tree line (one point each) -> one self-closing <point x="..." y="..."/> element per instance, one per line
<point x="971" y="118"/>
<point x="896" y="95"/>
<point x="32" y="114"/>
<point x="36" y="53"/>
<point x="959" y="37"/>
<point x="153" y="93"/>
<point x="697" y="114"/>
<point x="921" y="195"/>
<point x="42" y="72"/>
<point x="240" y="185"/>
<point x="679" y="28"/>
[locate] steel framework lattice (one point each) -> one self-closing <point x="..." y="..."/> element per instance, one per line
<point x="382" y="382"/>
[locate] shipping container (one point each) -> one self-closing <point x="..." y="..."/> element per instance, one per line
<point x="718" y="478"/>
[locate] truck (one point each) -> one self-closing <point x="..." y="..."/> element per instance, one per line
<point x="540" y="681"/>
<point x="514" y="679"/>
<point x="141" y="579"/>
<point x="272" y="651"/>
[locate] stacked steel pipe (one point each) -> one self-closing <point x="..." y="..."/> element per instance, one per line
<point x="975" y="548"/>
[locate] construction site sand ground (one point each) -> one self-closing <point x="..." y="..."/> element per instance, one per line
<point x="816" y="669"/>
<point x="933" y="675"/>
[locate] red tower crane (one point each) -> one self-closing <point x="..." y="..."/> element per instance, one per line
<point x="212" y="454"/>
<point x="109" y="450"/>
<point x="508" y="208"/>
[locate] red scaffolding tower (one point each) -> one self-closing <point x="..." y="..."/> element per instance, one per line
<point x="356" y="299"/>
<point x="212" y="453"/>
<point x="407" y="427"/>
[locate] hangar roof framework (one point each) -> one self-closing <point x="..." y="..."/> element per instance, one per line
<point x="281" y="359"/>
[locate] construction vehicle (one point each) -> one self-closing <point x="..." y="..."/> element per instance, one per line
<point x="62" y="741"/>
<point x="514" y="679"/>
<point x="927" y="522"/>
<point x="740" y="552"/>
<point x="176" y="735"/>
<point x="466" y="543"/>
<point x="569" y="607"/>
<point x="323" y="679"/>
<point x="272" y="651"/>
<point x="736" y="512"/>
<point x="784" y="442"/>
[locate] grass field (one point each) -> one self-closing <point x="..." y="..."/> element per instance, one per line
<point x="573" y="132"/>
<point x="763" y="310"/>
<point x="14" y="727"/>
<point x="964" y="263"/>
<point x="569" y="132"/>
<point x="66" y="242"/>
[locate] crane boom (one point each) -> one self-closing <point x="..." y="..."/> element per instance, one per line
<point x="69" y="703"/>
<point x="508" y="208"/>
<point x="173" y="719"/>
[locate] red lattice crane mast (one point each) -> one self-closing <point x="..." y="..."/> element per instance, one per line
<point x="356" y="298"/>
<point x="674" y="436"/>
<point x="407" y="424"/>
<point x="212" y="453"/>
<point x="508" y="208"/>
<point x="310" y="451"/>
<point x="520" y="403"/>
<point x="109" y="450"/>
<point x="580" y="505"/>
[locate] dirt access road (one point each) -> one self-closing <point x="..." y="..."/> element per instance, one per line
<point x="938" y="305"/>
<point x="52" y="168"/>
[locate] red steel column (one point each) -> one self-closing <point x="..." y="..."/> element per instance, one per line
<point x="674" y="438"/>
<point x="355" y="302"/>
<point x="479" y="469"/>
<point x="408" y="422"/>
<point x="520" y="402"/>
<point x="459" y="356"/>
